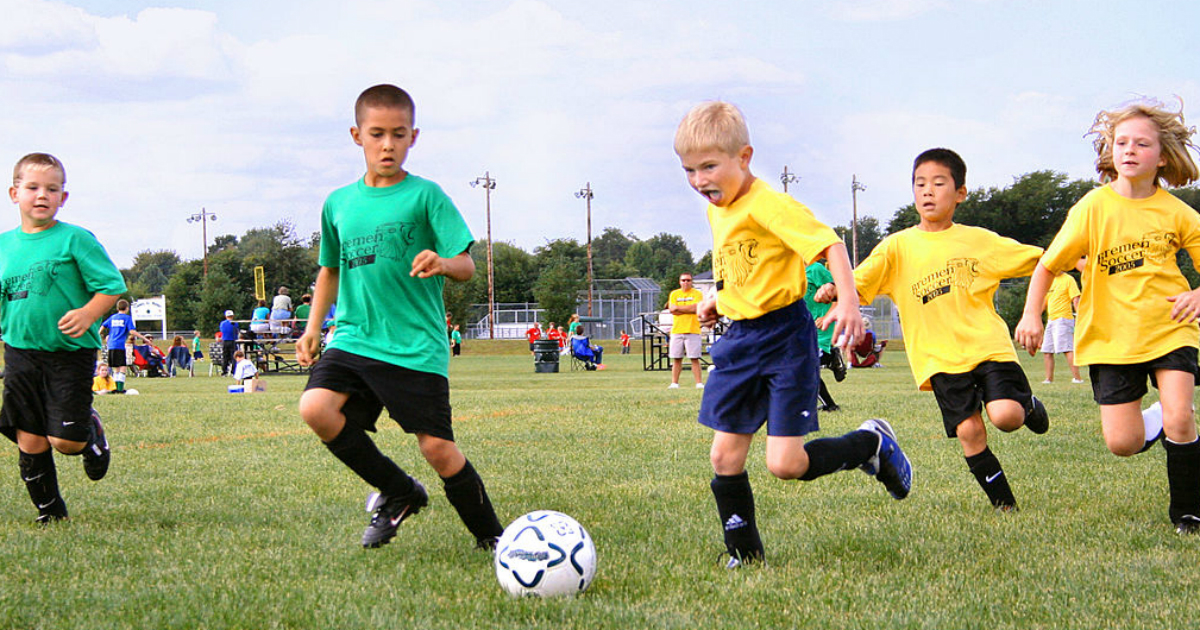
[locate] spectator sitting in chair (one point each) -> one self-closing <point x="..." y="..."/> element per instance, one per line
<point x="582" y="349"/>
<point x="154" y="358"/>
<point x="178" y="356"/>
<point x="866" y="352"/>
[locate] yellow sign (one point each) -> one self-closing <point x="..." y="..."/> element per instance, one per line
<point x="260" y="284"/>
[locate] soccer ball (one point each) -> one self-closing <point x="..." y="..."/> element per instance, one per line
<point x="545" y="554"/>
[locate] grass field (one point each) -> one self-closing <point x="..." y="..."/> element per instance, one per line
<point x="223" y="511"/>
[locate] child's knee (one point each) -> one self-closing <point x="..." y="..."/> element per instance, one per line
<point x="1124" y="445"/>
<point x="1006" y="415"/>
<point x="787" y="469"/>
<point x="67" y="447"/>
<point x="322" y="414"/>
<point x="442" y="455"/>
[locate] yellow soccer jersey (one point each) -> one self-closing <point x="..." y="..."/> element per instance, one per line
<point x="1124" y="315"/>
<point x="685" y="323"/>
<point x="761" y="246"/>
<point x="943" y="283"/>
<point x="1059" y="297"/>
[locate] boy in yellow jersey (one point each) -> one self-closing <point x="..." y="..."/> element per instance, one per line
<point x="767" y="361"/>
<point x="1137" y="314"/>
<point x="943" y="276"/>
<point x="1060" y="326"/>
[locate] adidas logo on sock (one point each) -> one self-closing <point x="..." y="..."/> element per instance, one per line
<point x="734" y="522"/>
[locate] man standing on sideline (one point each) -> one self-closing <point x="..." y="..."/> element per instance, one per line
<point x="229" y="338"/>
<point x="685" y="329"/>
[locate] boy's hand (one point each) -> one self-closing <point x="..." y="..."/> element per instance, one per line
<point x="75" y="323"/>
<point x="307" y="347"/>
<point x="1028" y="333"/>
<point x="826" y="294"/>
<point x="428" y="264"/>
<point x="848" y="324"/>
<point x="1187" y="306"/>
<point x="706" y="310"/>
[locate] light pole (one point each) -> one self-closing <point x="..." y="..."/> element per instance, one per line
<point x="203" y="217"/>
<point x="489" y="184"/>
<point x="788" y="178"/>
<point x="855" y="186"/>
<point x="586" y="194"/>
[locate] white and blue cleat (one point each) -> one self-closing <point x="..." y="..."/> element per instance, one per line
<point x="889" y="464"/>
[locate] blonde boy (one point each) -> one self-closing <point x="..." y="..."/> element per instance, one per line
<point x="767" y="362"/>
<point x="56" y="281"/>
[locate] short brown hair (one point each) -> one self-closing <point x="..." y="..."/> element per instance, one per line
<point x="712" y="125"/>
<point x="1173" y="135"/>
<point x="39" y="161"/>
<point x="387" y="96"/>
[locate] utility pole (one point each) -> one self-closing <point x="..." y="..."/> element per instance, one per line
<point x="788" y="178"/>
<point x="489" y="184"/>
<point x="586" y="194"/>
<point x="855" y="186"/>
<point x="203" y="217"/>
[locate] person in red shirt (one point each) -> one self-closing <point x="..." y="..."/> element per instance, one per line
<point x="533" y="334"/>
<point x="624" y="342"/>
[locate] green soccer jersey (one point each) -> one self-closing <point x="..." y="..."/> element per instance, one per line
<point x="371" y="235"/>
<point x="817" y="276"/>
<point x="45" y="274"/>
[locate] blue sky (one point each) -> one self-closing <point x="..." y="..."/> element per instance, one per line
<point x="243" y="108"/>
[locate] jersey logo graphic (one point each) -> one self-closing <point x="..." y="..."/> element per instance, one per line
<point x="1157" y="247"/>
<point x="394" y="239"/>
<point x="736" y="261"/>
<point x="958" y="273"/>
<point x="37" y="280"/>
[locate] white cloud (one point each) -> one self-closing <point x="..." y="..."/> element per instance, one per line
<point x="881" y="10"/>
<point x="36" y="25"/>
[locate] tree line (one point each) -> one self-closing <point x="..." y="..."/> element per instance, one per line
<point x="1030" y="210"/>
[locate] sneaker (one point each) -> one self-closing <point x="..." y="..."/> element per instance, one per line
<point x="838" y="365"/>
<point x="487" y="544"/>
<point x="1047" y="382"/>
<point x="699" y="385"/>
<point x="1188" y="524"/>
<point x="96" y="454"/>
<point x="829" y="408"/>
<point x="48" y="518"/>
<point x="1006" y="508"/>
<point x="733" y="563"/>
<point x="673" y="386"/>
<point x="1036" y="418"/>
<point x="389" y="512"/>
<point x="1077" y="380"/>
<point x="889" y="464"/>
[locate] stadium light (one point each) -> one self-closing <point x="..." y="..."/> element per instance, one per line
<point x="489" y="184"/>
<point x="788" y="178"/>
<point x="203" y="217"/>
<point x="587" y="194"/>
<point x="855" y="186"/>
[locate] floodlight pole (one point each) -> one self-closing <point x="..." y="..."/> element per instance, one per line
<point x="489" y="184"/>
<point x="586" y="194"/>
<point x="203" y="217"/>
<point x="855" y="186"/>
<point x="788" y="178"/>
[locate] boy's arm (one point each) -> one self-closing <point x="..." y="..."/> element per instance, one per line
<point x="428" y="264"/>
<point x="848" y="327"/>
<point x="1029" y="331"/>
<point x="77" y="321"/>
<point x="323" y="296"/>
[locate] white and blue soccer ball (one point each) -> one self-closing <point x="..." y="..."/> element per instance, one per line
<point x="545" y="554"/>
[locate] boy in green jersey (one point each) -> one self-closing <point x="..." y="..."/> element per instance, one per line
<point x="387" y="242"/>
<point x="56" y="281"/>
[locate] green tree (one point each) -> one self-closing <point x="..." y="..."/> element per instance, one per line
<point x="557" y="288"/>
<point x="869" y="235"/>
<point x="705" y="262"/>
<point x="514" y="271"/>
<point x="610" y="247"/>
<point x="661" y="258"/>
<point x="217" y="293"/>
<point x="283" y="256"/>
<point x="183" y="296"/>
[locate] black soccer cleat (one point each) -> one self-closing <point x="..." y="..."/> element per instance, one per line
<point x="838" y="364"/>
<point x="1187" y="524"/>
<point x="389" y="512"/>
<point x="96" y="455"/>
<point x="1036" y="417"/>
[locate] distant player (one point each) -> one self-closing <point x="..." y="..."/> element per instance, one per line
<point x="388" y="241"/>
<point x="1061" y="302"/>
<point x="56" y="281"/>
<point x="942" y="276"/>
<point x="767" y="361"/>
<point x="118" y="328"/>
<point x="1137" y="314"/>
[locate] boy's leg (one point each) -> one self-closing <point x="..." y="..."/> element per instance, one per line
<point x="826" y="399"/>
<point x="983" y="464"/>
<point x="1076" y="377"/>
<point x="1049" y="361"/>
<point x="464" y="488"/>
<point x="1183" y="448"/>
<point x="734" y="496"/>
<point x="36" y="461"/>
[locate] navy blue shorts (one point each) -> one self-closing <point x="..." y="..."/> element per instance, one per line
<point x="766" y="371"/>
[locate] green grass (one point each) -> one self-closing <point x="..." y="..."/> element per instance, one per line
<point x="223" y="511"/>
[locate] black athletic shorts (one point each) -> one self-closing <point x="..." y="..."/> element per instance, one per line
<point x="418" y="401"/>
<point x="1116" y="384"/>
<point x="960" y="396"/>
<point x="48" y="393"/>
<point x="116" y="358"/>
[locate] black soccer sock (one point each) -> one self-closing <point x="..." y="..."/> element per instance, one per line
<point x="41" y="480"/>
<point x="991" y="478"/>
<point x="1183" y="478"/>
<point x="357" y="451"/>
<point x="829" y="455"/>
<point x="468" y="496"/>
<point x="735" y="505"/>
<point x="823" y="395"/>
